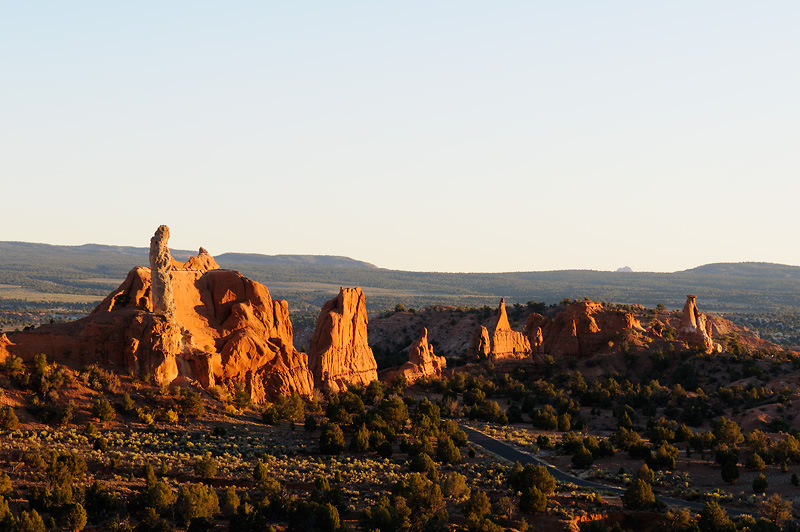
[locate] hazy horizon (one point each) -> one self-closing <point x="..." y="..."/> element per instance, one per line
<point x="451" y="137"/>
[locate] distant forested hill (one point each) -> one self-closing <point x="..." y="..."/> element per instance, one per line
<point x="764" y="270"/>
<point x="89" y="272"/>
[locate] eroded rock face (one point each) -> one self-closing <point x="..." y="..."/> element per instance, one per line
<point x="339" y="355"/>
<point x="694" y="329"/>
<point x="582" y="329"/>
<point x="161" y="272"/>
<point x="422" y="362"/>
<point x="222" y="329"/>
<point x="501" y="343"/>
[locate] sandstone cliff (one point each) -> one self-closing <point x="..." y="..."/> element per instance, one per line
<point x="422" y="362"/>
<point x="583" y="328"/>
<point x="219" y="328"/>
<point x="339" y="355"/>
<point x="500" y="343"/>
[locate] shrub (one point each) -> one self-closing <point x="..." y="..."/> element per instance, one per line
<point x="310" y="423"/>
<point x="205" y="467"/>
<point x="195" y="501"/>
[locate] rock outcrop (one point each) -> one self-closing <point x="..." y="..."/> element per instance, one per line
<point x="422" y="362"/>
<point x="161" y="273"/>
<point x="694" y="329"/>
<point x="221" y="328"/>
<point x="339" y="355"/>
<point x="582" y="329"/>
<point x="501" y="343"/>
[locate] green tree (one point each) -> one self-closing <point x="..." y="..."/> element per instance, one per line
<point x="103" y="411"/>
<point x="260" y="471"/>
<point x="447" y="452"/>
<point x="754" y="462"/>
<point x="760" y="483"/>
<point x="730" y="472"/>
<point x="195" y="501"/>
<point x="331" y="439"/>
<point x="532" y="500"/>
<point x="775" y="510"/>
<point x="74" y="517"/>
<point x="582" y="458"/>
<point x="360" y="441"/>
<point x="714" y="518"/>
<point x="638" y="496"/>
<point x="190" y="403"/>
<point x="8" y="419"/>
<point x="206" y="466"/>
<point x="229" y="501"/>
<point x="727" y="432"/>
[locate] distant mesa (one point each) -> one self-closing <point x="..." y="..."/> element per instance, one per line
<point x="625" y="269"/>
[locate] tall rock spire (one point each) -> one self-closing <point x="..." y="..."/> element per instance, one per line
<point x="161" y="274"/>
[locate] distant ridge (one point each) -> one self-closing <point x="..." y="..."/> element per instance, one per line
<point x="139" y="256"/>
<point x="763" y="270"/>
<point x="331" y="261"/>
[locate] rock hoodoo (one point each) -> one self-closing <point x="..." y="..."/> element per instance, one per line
<point x="339" y="355"/>
<point x="161" y="273"/>
<point x="694" y="328"/>
<point x="219" y="329"/>
<point x="501" y="343"/>
<point x="422" y="362"/>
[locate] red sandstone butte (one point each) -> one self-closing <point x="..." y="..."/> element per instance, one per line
<point x="339" y="355"/>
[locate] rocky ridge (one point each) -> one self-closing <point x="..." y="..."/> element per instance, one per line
<point x="215" y="327"/>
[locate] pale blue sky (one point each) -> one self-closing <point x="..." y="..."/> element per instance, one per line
<point x="448" y="136"/>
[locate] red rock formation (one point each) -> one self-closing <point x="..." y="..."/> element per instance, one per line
<point x="694" y="329"/>
<point x="224" y="329"/>
<point x="501" y="343"/>
<point x="161" y="273"/>
<point x="422" y="362"/>
<point x="582" y="329"/>
<point x="339" y="355"/>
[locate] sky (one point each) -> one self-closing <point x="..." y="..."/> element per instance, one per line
<point x="428" y="136"/>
